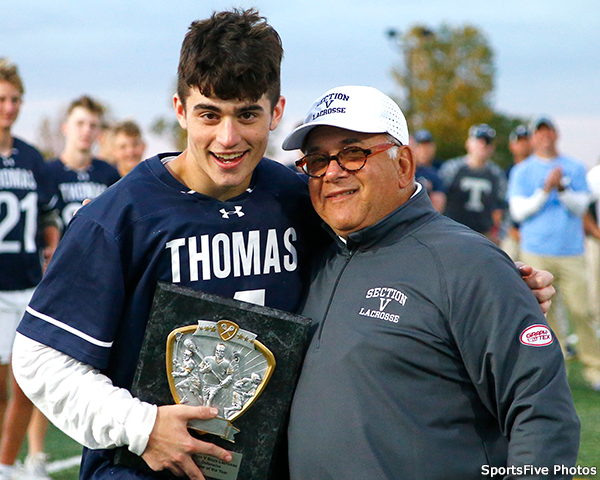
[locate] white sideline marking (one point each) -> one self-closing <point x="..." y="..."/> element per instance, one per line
<point x="60" y="465"/>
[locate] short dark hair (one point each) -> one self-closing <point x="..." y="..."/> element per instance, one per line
<point x="233" y="54"/>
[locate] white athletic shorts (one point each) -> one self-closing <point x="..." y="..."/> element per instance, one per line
<point x="12" y="309"/>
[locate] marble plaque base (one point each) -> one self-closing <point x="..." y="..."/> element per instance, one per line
<point x="261" y="437"/>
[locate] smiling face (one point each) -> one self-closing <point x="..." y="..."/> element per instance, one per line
<point x="127" y="151"/>
<point x="351" y="201"/>
<point x="226" y="140"/>
<point x="10" y="104"/>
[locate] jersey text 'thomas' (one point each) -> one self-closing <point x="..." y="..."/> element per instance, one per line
<point x="240" y="253"/>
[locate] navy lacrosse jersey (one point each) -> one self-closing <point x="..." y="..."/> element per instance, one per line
<point x="24" y="194"/>
<point x="73" y="187"/>
<point x="95" y="299"/>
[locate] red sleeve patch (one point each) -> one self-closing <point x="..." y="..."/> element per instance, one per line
<point x="536" y="336"/>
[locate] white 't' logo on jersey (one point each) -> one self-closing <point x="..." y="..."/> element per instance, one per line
<point x="237" y="211"/>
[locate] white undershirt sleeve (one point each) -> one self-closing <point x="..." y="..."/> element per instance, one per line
<point x="522" y="207"/>
<point x="575" y="202"/>
<point x="80" y="400"/>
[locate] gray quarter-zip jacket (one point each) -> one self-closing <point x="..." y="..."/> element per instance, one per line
<point x="430" y="359"/>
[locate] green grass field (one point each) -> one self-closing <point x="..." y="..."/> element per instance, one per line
<point x="587" y="403"/>
<point x="61" y="447"/>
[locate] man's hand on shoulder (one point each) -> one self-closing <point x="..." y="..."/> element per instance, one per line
<point x="540" y="282"/>
<point x="83" y="204"/>
<point x="171" y="446"/>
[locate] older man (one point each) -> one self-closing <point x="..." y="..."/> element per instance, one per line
<point x="430" y="357"/>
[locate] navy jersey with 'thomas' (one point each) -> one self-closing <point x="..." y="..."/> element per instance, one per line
<point x="23" y="195"/>
<point x="94" y="301"/>
<point x="73" y="187"/>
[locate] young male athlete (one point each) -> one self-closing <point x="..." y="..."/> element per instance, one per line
<point x="24" y="198"/>
<point x="127" y="146"/>
<point x="217" y="217"/>
<point x="76" y="173"/>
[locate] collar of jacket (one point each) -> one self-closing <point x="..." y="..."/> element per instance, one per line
<point x="405" y="219"/>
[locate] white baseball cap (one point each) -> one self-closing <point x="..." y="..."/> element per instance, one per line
<point x="355" y="108"/>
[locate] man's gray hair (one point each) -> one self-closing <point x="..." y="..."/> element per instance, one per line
<point x="393" y="152"/>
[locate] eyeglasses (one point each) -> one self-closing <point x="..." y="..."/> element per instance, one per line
<point x="350" y="159"/>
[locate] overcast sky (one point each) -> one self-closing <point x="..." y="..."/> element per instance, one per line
<point x="547" y="54"/>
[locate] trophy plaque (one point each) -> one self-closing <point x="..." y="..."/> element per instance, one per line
<point x="217" y="364"/>
<point x="241" y="358"/>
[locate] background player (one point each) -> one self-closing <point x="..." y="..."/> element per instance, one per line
<point x="24" y="198"/>
<point x="127" y="146"/>
<point x="549" y="195"/>
<point x="76" y="174"/>
<point x="427" y="174"/>
<point x="475" y="186"/>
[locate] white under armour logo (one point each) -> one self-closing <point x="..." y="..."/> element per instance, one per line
<point x="237" y="211"/>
